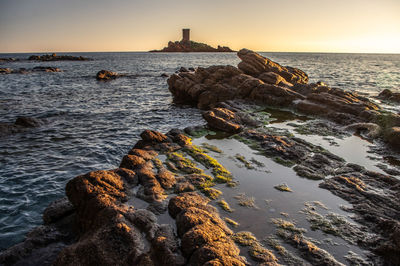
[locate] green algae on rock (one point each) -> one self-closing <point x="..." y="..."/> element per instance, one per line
<point x="245" y="201"/>
<point x="224" y="205"/>
<point x="212" y="193"/>
<point x="257" y="251"/>
<point x="283" y="187"/>
<point x="211" y="147"/>
<point x="231" y="222"/>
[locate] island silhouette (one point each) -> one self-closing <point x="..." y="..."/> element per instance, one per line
<point x="186" y="45"/>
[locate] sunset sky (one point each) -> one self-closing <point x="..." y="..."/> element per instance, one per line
<point x="262" y="25"/>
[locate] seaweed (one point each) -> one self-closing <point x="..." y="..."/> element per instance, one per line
<point x="224" y="205"/>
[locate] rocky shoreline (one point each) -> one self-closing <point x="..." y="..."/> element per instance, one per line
<point x="159" y="206"/>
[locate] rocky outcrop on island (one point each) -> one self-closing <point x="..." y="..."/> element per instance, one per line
<point x="21" y="124"/>
<point x="191" y="46"/>
<point x="55" y="57"/>
<point x="29" y="70"/>
<point x="260" y="80"/>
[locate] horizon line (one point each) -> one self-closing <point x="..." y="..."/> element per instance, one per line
<point x="148" y="51"/>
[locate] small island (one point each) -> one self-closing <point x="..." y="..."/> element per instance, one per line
<point x="186" y="45"/>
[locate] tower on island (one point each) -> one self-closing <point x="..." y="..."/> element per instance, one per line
<point x="186" y="35"/>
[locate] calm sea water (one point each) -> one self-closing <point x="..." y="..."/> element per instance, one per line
<point x="90" y="125"/>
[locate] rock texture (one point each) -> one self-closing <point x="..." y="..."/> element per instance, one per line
<point x="260" y="80"/>
<point x="388" y="95"/>
<point x="379" y="211"/>
<point x="99" y="223"/>
<point x="106" y="75"/>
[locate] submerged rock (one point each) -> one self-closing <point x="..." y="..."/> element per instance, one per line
<point x="379" y="211"/>
<point x="21" y="124"/>
<point x="29" y="70"/>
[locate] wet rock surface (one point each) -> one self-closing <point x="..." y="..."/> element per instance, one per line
<point x="375" y="199"/>
<point x="106" y="75"/>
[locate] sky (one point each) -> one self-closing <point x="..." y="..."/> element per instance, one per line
<point x="365" y="26"/>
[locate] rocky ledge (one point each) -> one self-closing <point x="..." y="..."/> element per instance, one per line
<point x="260" y="80"/>
<point x="191" y="46"/>
<point x="55" y="57"/>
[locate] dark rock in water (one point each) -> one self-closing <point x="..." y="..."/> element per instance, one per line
<point x="183" y="69"/>
<point x="106" y="75"/>
<point x="54" y="57"/>
<point x="10" y="59"/>
<point x="28" y="70"/>
<point x="27" y="122"/>
<point x="389" y="95"/>
<point x="57" y="210"/>
<point x="46" y="69"/>
<point x="393" y="137"/>
<point x="164" y="75"/>
<point x="191" y="69"/>
<point x="21" y="124"/>
<point x="5" y="70"/>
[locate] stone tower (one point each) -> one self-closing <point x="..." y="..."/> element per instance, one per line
<point x="186" y="35"/>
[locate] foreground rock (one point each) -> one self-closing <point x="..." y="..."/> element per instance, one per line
<point x="106" y="75"/>
<point x="55" y="57"/>
<point x="99" y="223"/>
<point x="21" y="124"/>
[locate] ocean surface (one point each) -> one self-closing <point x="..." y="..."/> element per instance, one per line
<point x="90" y="125"/>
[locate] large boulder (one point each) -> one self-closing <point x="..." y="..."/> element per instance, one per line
<point x="256" y="65"/>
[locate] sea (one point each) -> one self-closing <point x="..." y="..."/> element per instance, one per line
<point x="89" y="125"/>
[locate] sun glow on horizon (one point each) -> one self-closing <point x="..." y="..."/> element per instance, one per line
<point x="260" y="25"/>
